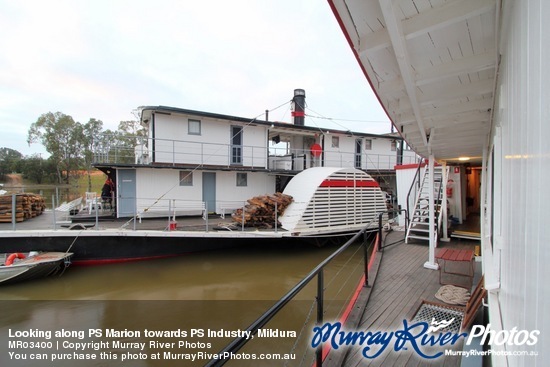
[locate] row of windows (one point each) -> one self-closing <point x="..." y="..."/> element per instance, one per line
<point x="186" y="178"/>
<point x="194" y="128"/>
<point x="368" y="143"/>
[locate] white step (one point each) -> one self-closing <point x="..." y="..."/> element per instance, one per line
<point x="419" y="230"/>
<point x="418" y="237"/>
<point x="419" y="225"/>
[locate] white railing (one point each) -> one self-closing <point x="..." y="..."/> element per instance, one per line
<point x="299" y="159"/>
<point x="181" y="152"/>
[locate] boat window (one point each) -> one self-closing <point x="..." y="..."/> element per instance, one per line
<point x="194" y="127"/>
<point x="336" y="142"/>
<point x="186" y="178"/>
<point x="236" y="145"/>
<point x="358" y="153"/>
<point x="242" y="179"/>
<point x="393" y="145"/>
<point x="368" y="144"/>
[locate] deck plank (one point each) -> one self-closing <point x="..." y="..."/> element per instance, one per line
<point x="401" y="285"/>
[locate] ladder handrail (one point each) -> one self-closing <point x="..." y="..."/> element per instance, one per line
<point x="416" y="175"/>
<point x="441" y="196"/>
<point x="417" y="212"/>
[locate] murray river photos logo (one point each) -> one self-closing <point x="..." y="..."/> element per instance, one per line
<point x="423" y="338"/>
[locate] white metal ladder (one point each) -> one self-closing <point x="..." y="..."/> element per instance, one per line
<point x="419" y="224"/>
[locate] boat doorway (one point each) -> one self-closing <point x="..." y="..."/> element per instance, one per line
<point x="209" y="190"/>
<point x="469" y="227"/>
<point x="126" y="192"/>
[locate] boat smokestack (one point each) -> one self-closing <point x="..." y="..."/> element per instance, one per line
<point x="298" y="107"/>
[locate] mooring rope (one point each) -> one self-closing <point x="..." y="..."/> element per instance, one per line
<point x="76" y="237"/>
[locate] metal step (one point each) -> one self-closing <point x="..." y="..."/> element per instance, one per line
<point x="419" y="230"/>
<point x="418" y="237"/>
<point x="420" y="224"/>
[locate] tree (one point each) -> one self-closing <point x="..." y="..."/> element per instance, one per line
<point x="34" y="169"/>
<point x="9" y="159"/>
<point x="129" y="135"/>
<point x="63" y="138"/>
<point x="92" y="129"/>
<point x="118" y="146"/>
<point x="37" y="169"/>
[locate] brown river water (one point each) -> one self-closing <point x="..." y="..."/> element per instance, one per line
<point x="180" y="308"/>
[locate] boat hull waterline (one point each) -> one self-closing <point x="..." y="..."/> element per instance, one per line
<point x="32" y="265"/>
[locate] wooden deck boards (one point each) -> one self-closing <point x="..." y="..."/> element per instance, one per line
<point x="401" y="284"/>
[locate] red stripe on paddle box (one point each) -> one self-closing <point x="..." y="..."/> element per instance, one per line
<point x="349" y="183"/>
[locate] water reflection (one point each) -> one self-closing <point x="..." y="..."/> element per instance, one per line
<point x="212" y="290"/>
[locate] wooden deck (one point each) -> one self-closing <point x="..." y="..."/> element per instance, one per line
<point x="400" y="285"/>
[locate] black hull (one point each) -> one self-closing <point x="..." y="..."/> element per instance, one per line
<point x="92" y="250"/>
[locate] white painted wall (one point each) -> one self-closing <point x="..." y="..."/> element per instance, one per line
<point x="174" y="144"/>
<point x="379" y="157"/>
<point x="341" y="156"/>
<point x="158" y="188"/>
<point x="227" y="192"/>
<point x="517" y="255"/>
<point x="410" y="157"/>
<point x="456" y="200"/>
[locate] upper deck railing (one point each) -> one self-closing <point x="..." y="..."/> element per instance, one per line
<point x="148" y="151"/>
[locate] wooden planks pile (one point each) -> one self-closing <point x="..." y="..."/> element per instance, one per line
<point x="260" y="210"/>
<point x="26" y="206"/>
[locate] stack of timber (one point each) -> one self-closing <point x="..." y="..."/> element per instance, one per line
<point x="260" y="210"/>
<point x="27" y="206"/>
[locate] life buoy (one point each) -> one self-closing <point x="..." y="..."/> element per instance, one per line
<point x="12" y="257"/>
<point x="316" y="150"/>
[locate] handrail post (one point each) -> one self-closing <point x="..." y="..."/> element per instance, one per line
<point x="54" y="215"/>
<point x="169" y="213"/>
<point x="320" y="286"/>
<point x="206" y="214"/>
<point x="242" y="224"/>
<point x="275" y="217"/>
<point x="379" y="242"/>
<point x="96" y="213"/>
<point x="366" y="258"/>
<point x="14" y="211"/>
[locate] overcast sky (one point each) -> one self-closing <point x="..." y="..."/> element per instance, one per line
<point x="103" y="59"/>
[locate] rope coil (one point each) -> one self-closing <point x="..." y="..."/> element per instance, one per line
<point x="453" y="295"/>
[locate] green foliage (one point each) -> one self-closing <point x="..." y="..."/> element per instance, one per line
<point x="118" y="146"/>
<point x="9" y="159"/>
<point x="63" y="138"/>
<point x="38" y="170"/>
<point x="72" y="145"/>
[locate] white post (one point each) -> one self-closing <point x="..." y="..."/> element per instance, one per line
<point x="443" y="212"/>
<point x="431" y="264"/>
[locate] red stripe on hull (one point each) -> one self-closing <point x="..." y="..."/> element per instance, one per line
<point x="349" y="183"/>
<point x="117" y="261"/>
